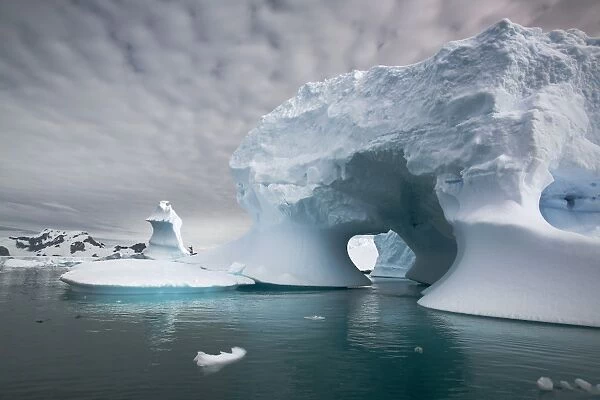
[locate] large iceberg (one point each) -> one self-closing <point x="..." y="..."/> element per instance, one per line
<point x="453" y="154"/>
<point x="165" y="242"/>
<point x="395" y="257"/>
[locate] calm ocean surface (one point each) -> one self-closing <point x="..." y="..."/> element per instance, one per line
<point x="55" y="344"/>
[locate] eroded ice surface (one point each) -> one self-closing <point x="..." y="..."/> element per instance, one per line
<point x="132" y="275"/>
<point x="166" y="241"/>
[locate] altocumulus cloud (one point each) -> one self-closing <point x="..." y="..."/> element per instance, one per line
<point x="107" y="107"/>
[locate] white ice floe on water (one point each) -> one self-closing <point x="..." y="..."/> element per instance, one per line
<point x="462" y="155"/>
<point x="214" y="362"/>
<point x="166" y="241"/>
<point x="545" y="384"/>
<point x="565" y="385"/>
<point x="583" y="384"/>
<point x="315" y="317"/>
<point x="133" y="276"/>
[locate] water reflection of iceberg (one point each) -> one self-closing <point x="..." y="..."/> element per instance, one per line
<point x="159" y="315"/>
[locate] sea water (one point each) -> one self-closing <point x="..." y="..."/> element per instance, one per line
<point x="56" y="344"/>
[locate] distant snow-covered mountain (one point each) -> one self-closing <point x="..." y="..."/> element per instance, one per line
<point x="61" y="243"/>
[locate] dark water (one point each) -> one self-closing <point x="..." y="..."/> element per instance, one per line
<point x="129" y="347"/>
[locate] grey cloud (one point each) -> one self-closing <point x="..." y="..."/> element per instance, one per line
<point x="107" y="107"/>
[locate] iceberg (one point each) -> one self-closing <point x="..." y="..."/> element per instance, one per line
<point x="395" y="257"/>
<point x="214" y="362"/>
<point x="165" y="242"/>
<point x="484" y="159"/>
<point x="147" y="276"/>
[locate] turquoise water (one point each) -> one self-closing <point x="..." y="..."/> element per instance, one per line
<point x="55" y="344"/>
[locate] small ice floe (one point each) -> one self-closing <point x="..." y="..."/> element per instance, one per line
<point x="566" y="385"/>
<point x="419" y="350"/>
<point x="315" y="317"/>
<point x="583" y="384"/>
<point x="214" y="362"/>
<point x="545" y="384"/>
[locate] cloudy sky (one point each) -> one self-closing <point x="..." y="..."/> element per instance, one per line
<point x="107" y="107"/>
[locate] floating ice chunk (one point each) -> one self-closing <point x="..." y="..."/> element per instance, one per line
<point x="545" y="384"/>
<point x="315" y="318"/>
<point x="583" y="384"/>
<point x="19" y="263"/>
<point x="566" y="385"/>
<point x="214" y="362"/>
<point x="419" y="350"/>
<point x="133" y="275"/>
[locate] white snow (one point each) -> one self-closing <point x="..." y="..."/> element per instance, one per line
<point x="215" y="362"/>
<point x="166" y="241"/>
<point x="545" y="384"/>
<point x="453" y="154"/>
<point x="362" y="252"/>
<point x="130" y="275"/>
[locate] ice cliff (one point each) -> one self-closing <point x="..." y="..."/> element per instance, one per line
<point x="165" y="242"/>
<point x="395" y="257"/>
<point x="461" y="155"/>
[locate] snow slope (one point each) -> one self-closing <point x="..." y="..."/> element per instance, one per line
<point x="453" y="154"/>
<point x="165" y="242"/>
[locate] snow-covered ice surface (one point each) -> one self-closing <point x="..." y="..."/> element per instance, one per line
<point x="143" y="276"/>
<point x="362" y="252"/>
<point x="165" y="242"/>
<point x="395" y="257"/>
<point x="453" y="154"/>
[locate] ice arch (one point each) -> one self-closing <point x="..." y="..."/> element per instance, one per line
<point x="453" y="154"/>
